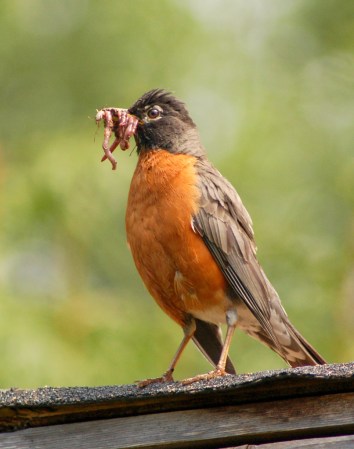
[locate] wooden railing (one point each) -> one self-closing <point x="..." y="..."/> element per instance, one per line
<point x="311" y="407"/>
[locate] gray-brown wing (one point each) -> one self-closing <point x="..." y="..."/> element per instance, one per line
<point x="226" y="228"/>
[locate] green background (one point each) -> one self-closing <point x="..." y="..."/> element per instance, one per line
<point x="270" y="85"/>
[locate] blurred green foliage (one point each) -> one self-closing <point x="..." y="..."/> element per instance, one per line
<point x="271" y="87"/>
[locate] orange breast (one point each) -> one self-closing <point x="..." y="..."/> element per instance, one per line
<point x="175" y="265"/>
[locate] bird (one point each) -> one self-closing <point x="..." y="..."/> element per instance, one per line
<point x="193" y="244"/>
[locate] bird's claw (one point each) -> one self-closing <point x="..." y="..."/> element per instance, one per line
<point x="217" y="372"/>
<point x="165" y="378"/>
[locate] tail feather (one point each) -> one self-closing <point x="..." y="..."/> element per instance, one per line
<point x="312" y="356"/>
<point x="292" y="347"/>
<point x="207" y="337"/>
<point x="285" y="339"/>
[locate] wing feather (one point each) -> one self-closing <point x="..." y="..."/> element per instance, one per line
<point x="226" y="228"/>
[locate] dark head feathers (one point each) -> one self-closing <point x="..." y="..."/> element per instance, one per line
<point x="161" y="97"/>
<point x="164" y="123"/>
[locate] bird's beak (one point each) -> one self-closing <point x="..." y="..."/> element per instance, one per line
<point x="139" y="120"/>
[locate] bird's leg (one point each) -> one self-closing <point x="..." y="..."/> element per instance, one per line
<point x="231" y="320"/>
<point x="188" y="330"/>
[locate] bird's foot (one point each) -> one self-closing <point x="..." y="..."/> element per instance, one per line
<point x="217" y="372"/>
<point x="166" y="377"/>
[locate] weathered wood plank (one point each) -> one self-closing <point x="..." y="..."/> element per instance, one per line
<point x="46" y="406"/>
<point x="341" y="442"/>
<point x="213" y="427"/>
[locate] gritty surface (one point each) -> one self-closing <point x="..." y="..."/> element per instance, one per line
<point x="48" y="396"/>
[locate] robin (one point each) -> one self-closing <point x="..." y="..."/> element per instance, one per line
<point x="193" y="244"/>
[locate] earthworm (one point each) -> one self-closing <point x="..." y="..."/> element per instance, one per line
<point x="122" y="124"/>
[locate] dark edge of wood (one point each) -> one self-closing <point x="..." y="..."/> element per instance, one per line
<point x="48" y="406"/>
<point x="332" y="442"/>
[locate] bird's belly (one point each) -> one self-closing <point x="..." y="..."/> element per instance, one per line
<point x="178" y="270"/>
<point x="173" y="261"/>
<point x="215" y="314"/>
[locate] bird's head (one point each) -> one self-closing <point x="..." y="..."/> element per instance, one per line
<point x="164" y="123"/>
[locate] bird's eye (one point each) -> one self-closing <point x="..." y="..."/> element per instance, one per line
<point x="153" y="113"/>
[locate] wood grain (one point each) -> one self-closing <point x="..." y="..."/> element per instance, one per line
<point x="341" y="442"/>
<point x="253" y="423"/>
